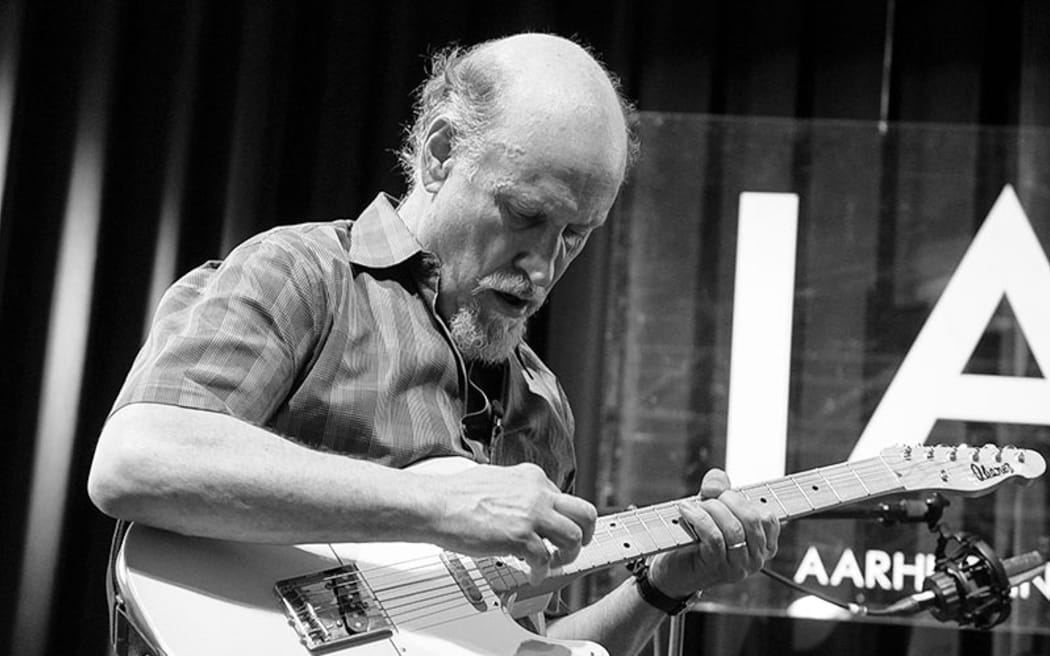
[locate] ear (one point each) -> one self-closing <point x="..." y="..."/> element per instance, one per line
<point x="437" y="154"/>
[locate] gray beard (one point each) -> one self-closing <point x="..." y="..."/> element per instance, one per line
<point x="485" y="337"/>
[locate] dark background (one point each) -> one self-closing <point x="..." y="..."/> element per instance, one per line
<point x="231" y="117"/>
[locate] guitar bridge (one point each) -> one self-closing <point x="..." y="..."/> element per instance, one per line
<point x="333" y="608"/>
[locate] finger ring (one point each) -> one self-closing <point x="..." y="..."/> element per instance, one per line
<point x="738" y="545"/>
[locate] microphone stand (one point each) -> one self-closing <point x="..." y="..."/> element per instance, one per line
<point x="906" y="511"/>
<point x="969" y="585"/>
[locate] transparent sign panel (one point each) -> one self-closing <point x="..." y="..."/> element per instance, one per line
<point x="893" y="288"/>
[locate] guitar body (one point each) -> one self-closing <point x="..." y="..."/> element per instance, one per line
<point x="195" y="596"/>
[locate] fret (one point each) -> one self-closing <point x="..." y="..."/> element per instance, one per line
<point x="603" y="540"/>
<point x="859" y="480"/>
<point x="623" y="546"/>
<point x="632" y="534"/>
<point x="802" y="491"/>
<point x="597" y="553"/>
<point x="678" y="527"/>
<point x="662" y="540"/>
<point x="763" y="493"/>
<point x="501" y="574"/>
<point x="613" y="538"/>
<point x="601" y="543"/>
<point x="636" y="537"/>
<point x="673" y="528"/>
<point x="846" y="483"/>
<point x="831" y="487"/>
<point x="883" y="477"/>
<point x="786" y="491"/>
<point x="819" y="492"/>
<point x="879" y="478"/>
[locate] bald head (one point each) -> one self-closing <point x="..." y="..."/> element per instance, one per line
<point x="527" y="83"/>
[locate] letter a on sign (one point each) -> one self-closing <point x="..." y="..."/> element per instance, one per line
<point x="1004" y="260"/>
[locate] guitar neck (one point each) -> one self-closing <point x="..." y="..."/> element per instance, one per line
<point x="642" y="532"/>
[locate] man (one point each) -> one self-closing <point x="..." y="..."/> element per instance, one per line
<point x="392" y="338"/>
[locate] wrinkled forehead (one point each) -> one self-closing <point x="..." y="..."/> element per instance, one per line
<point x="567" y="134"/>
<point x="543" y="172"/>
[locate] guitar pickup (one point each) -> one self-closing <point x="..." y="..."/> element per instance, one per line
<point x="462" y="578"/>
<point x="333" y="608"/>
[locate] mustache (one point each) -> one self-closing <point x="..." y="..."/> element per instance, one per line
<point x="508" y="283"/>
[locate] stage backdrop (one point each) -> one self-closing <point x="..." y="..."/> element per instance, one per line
<point x="138" y="139"/>
<point x="788" y="294"/>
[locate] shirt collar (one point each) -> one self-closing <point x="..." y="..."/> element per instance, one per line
<point x="379" y="238"/>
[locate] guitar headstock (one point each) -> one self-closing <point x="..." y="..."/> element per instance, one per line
<point x="967" y="470"/>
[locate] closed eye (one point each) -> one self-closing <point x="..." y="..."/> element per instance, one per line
<point x="526" y="218"/>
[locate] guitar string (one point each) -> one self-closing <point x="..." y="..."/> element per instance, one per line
<point x="669" y="509"/>
<point x="376" y="575"/>
<point x="448" y="593"/>
<point x="643" y="519"/>
<point x="850" y="472"/>
<point x="637" y="517"/>
<point x="385" y="579"/>
<point x="841" y="472"/>
<point x="377" y="571"/>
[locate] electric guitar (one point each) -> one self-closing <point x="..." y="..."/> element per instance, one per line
<point x="196" y="596"/>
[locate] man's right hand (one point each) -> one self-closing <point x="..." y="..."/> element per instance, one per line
<point x="491" y="511"/>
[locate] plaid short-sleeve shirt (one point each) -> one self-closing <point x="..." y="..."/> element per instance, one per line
<point x="326" y="333"/>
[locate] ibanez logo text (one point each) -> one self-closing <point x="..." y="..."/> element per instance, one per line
<point x="984" y="472"/>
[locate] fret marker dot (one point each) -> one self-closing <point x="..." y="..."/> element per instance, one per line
<point x="626" y="545"/>
<point x="762" y="499"/>
<point x="816" y="488"/>
<point x="674" y="521"/>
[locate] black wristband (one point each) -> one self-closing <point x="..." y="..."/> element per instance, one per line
<point x="653" y="596"/>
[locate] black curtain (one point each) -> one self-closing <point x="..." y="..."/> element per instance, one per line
<point x="138" y="139"/>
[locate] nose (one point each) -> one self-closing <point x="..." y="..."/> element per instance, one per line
<point x="540" y="258"/>
<point x="537" y="267"/>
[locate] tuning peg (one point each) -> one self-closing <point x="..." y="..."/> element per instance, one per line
<point x="1013" y="450"/>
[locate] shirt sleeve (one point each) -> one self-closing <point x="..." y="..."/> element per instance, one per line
<point x="232" y="336"/>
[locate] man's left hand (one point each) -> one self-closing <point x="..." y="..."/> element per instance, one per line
<point x="737" y="537"/>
